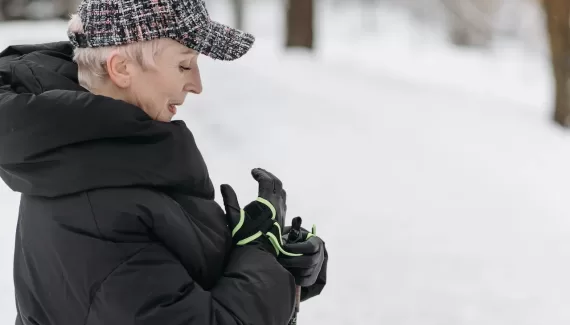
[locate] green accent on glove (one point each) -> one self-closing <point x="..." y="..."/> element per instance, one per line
<point x="277" y="245"/>
<point x="312" y="233"/>
<point x="275" y="239"/>
<point x="269" y="205"/>
<point x="240" y="223"/>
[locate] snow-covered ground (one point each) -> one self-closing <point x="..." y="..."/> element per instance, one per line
<point x="438" y="183"/>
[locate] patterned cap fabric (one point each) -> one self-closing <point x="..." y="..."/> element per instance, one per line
<point x="119" y="22"/>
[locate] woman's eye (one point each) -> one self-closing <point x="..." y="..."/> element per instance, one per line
<point x="183" y="68"/>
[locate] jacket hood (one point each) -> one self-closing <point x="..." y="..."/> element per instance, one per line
<point x="56" y="138"/>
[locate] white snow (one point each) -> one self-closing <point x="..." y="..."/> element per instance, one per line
<point x="434" y="174"/>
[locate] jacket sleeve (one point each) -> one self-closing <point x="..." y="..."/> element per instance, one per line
<point x="163" y="283"/>
<point x="254" y="290"/>
<point x="194" y="230"/>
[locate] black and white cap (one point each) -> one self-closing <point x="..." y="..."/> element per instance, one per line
<point x="120" y="22"/>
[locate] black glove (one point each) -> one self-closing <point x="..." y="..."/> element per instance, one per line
<point x="271" y="189"/>
<point x="309" y="263"/>
<point x="316" y="289"/>
<point x="259" y="222"/>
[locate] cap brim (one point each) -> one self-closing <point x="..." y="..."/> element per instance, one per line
<point x="221" y="42"/>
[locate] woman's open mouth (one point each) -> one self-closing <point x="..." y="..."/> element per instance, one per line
<point x="172" y="108"/>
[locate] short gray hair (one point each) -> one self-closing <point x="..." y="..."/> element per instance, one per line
<point x="91" y="62"/>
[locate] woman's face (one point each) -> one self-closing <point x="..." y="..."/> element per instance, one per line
<point x="160" y="88"/>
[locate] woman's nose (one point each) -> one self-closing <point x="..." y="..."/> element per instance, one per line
<point x="194" y="84"/>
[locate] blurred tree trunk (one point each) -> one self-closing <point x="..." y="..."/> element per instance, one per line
<point x="300" y="23"/>
<point x="3" y="7"/>
<point x="238" y="14"/>
<point x="13" y="9"/>
<point x="558" y="24"/>
<point x="369" y="19"/>
<point x="64" y="8"/>
<point x="470" y="22"/>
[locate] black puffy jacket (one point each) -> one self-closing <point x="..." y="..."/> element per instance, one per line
<point x="117" y="221"/>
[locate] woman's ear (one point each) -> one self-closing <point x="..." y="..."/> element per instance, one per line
<point x="117" y="68"/>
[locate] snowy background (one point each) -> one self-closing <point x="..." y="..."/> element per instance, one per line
<point x="433" y="173"/>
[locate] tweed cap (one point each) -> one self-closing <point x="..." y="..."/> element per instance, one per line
<point x="119" y="22"/>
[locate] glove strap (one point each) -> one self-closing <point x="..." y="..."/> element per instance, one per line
<point x="242" y="215"/>
<point x="268" y="227"/>
<point x="276" y="239"/>
<point x="260" y="215"/>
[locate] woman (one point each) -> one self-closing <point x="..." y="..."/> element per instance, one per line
<point x="117" y="220"/>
